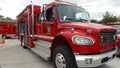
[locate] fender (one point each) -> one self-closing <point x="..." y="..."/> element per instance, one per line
<point x="65" y="38"/>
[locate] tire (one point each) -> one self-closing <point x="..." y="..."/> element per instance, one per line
<point x="118" y="53"/>
<point x="63" y="57"/>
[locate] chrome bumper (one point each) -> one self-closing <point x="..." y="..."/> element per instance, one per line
<point x="94" y="60"/>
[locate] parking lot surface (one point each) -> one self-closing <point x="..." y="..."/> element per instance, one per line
<point x="12" y="55"/>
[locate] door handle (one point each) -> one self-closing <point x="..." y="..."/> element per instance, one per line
<point x="51" y="24"/>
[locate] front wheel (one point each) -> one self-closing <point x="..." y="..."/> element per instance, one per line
<point x="118" y="53"/>
<point x="63" y="57"/>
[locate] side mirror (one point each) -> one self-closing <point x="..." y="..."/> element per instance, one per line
<point x="41" y="19"/>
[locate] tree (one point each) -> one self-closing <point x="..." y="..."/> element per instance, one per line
<point x="118" y="18"/>
<point x="0" y="9"/>
<point x="94" y="21"/>
<point x="108" y="18"/>
<point x="8" y="18"/>
<point x="1" y="16"/>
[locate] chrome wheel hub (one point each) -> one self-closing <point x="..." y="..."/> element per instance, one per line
<point x="60" y="61"/>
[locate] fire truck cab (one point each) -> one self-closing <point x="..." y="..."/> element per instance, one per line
<point x="62" y="32"/>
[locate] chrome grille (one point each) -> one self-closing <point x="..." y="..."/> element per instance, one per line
<point x="107" y="37"/>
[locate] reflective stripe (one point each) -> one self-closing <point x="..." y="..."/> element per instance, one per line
<point x="21" y="33"/>
<point x="48" y="37"/>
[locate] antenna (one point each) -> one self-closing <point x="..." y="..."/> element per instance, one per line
<point x="58" y="0"/>
<point x="0" y="9"/>
<point x="31" y="2"/>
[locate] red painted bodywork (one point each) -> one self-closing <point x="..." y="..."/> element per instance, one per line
<point x="81" y="30"/>
<point x="118" y="38"/>
<point x="63" y="30"/>
<point x="7" y="29"/>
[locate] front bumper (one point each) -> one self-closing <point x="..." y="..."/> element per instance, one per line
<point x="94" y="60"/>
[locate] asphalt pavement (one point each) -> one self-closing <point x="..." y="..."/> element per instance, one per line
<point x="12" y="55"/>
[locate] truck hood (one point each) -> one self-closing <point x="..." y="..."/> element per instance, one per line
<point x="96" y="28"/>
<point x="90" y="26"/>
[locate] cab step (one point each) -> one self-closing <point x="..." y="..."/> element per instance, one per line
<point x="42" y="48"/>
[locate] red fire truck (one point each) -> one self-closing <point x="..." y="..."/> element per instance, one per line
<point x="8" y="30"/>
<point x="62" y="32"/>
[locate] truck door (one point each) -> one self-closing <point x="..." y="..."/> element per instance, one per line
<point x="25" y="32"/>
<point x="48" y="25"/>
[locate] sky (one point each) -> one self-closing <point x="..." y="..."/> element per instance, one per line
<point x="96" y="8"/>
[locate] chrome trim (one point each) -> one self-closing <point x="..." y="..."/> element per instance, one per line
<point x="28" y="21"/>
<point x="96" y="59"/>
<point x="60" y="61"/>
<point x="33" y="20"/>
<point x="48" y="37"/>
<point x="21" y="33"/>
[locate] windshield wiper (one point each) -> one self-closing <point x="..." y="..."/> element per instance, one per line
<point x="82" y="20"/>
<point x="68" y="20"/>
<point x="118" y="32"/>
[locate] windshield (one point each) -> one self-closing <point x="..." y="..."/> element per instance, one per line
<point x="68" y="13"/>
<point x="117" y="27"/>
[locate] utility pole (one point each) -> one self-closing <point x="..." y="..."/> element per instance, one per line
<point x="0" y="9"/>
<point x="58" y="0"/>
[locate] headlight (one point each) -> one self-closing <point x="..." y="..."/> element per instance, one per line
<point x="82" y="40"/>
